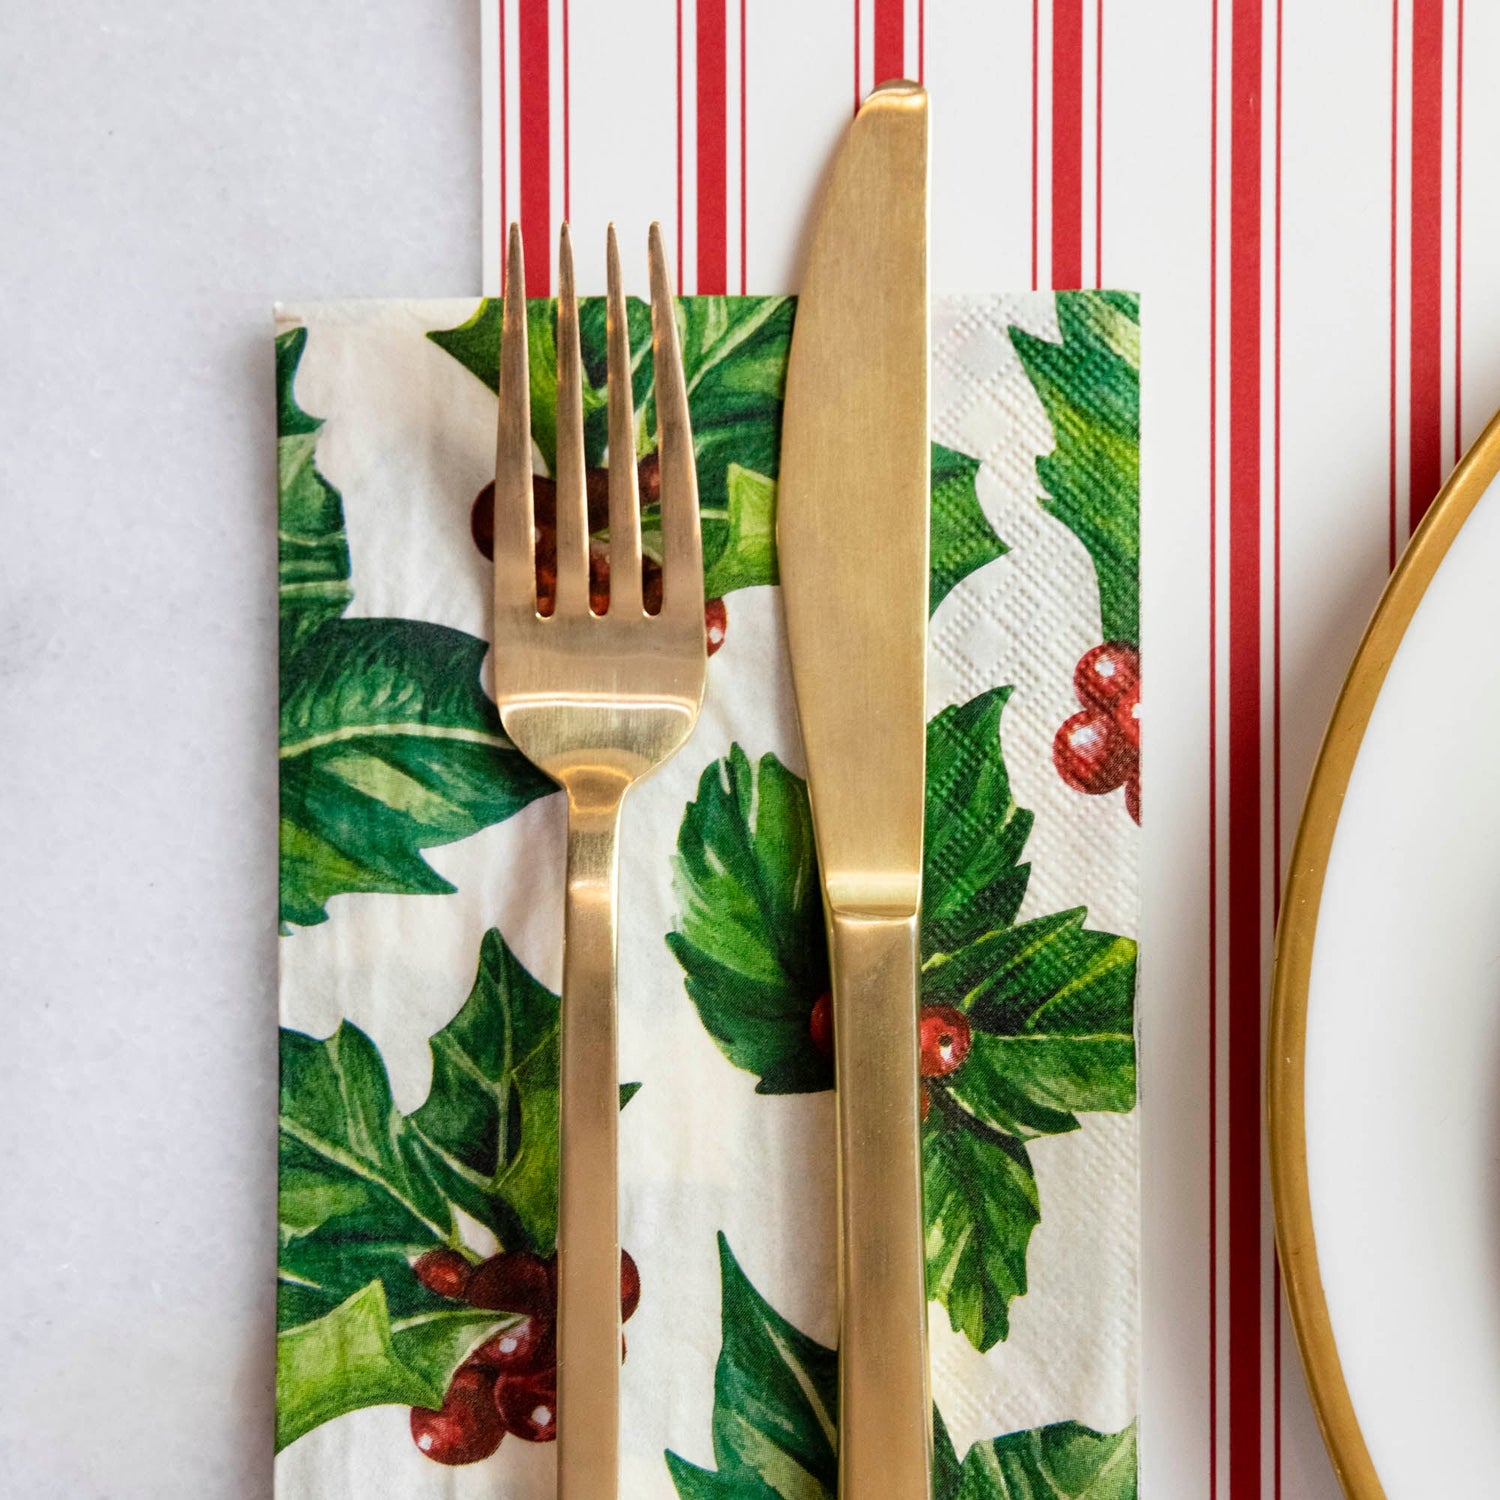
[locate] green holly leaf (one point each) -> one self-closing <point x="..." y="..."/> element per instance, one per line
<point x="355" y="1356"/>
<point x="981" y="1205"/>
<point x="734" y="354"/>
<point x="1090" y="386"/>
<point x="1030" y="1085"/>
<point x="750" y="933"/>
<point x="946" y="1469"/>
<point x="541" y="351"/>
<point x="388" y="747"/>
<point x="1051" y="1007"/>
<point x="312" y="549"/>
<point x="358" y="1195"/>
<point x="775" y="1426"/>
<point x="1065" y="1461"/>
<point x="1051" y="974"/>
<point x="962" y="539"/>
<point x="475" y="343"/>
<point x="388" y="744"/>
<point x="744" y="545"/>
<point x="775" y="1405"/>
<point x="366" y="1190"/>
<point x="1051" y="1004"/>
<point x="972" y="877"/>
<point x="490" y="1117"/>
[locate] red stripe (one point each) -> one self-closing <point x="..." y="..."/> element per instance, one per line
<point x="856" y="55"/>
<point x="1099" y="143"/>
<point x="713" y="164"/>
<point x="567" y="123"/>
<point x="890" y="40"/>
<point x="534" y="61"/>
<point x="1425" y="455"/>
<point x="1276" y="531"/>
<point x="1276" y="724"/>
<point x="744" y="154"/>
<point x="1458" y="247"/>
<point x="1067" y="143"/>
<point x="1036" y="78"/>
<point x="1395" y="69"/>
<point x="681" y="276"/>
<point x="504" y="197"/>
<point x="1213" y="763"/>
<point x="1244" y="824"/>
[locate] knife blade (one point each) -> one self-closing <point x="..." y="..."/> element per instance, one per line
<point x="852" y="540"/>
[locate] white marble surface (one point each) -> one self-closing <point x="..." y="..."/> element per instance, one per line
<point x="166" y="170"/>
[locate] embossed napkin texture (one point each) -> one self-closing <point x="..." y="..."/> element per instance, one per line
<point x="421" y="907"/>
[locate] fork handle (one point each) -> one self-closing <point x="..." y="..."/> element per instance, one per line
<point x="588" y="1246"/>
<point x="885" y="1409"/>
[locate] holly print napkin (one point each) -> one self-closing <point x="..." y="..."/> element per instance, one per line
<point x="421" y="900"/>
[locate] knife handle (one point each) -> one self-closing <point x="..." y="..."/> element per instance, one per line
<point x="885" y="1406"/>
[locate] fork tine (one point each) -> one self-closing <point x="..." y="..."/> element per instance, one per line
<point x="624" y="490"/>
<point x="515" y="574"/>
<point x="682" y="536"/>
<point x="572" y="494"/>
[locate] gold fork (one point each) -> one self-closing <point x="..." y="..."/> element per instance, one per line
<point x="597" y="702"/>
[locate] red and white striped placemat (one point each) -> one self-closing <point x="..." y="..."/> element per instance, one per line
<point x="1285" y="184"/>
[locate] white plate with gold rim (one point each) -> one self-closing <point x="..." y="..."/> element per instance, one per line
<point x="1384" y="1048"/>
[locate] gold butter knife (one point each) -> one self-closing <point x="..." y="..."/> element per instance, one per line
<point x="852" y="538"/>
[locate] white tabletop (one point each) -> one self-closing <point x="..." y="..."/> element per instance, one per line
<point x="168" y="170"/>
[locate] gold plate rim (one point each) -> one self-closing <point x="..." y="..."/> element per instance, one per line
<point x="1295" y="936"/>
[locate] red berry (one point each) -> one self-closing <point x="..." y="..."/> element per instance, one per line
<point x="651" y="584"/>
<point x="468" y="1426"/>
<point x="521" y="1349"/>
<point x="596" y="490"/>
<point x="445" y="1272"/>
<point x="527" y="1405"/>
<point x="715" y="623"/>
<point x="598" y="578"/>
<point x="630" y="1286"/>
<point x="943" y="1037"/>
<point x="1106" y="673"/>
<point x="648" y="479"/>
<point x="544" y="512"/>
<point x="482" y="512"/>
<point x="820" y="1024"/>
<point x="514" y="1281"/>
<point x="546" y="570"/>
<point x="482" y="520"/>
<point x="1127" y="716"/>
<point x="1133" y="796"/>
<point x="1090" y="755"/>
<point x="543" y="502"/>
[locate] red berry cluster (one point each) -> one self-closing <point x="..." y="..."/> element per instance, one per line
<point x="943" y="1039"/>
<point x="544" y="512"/>
<point x="509" y="1383"/>
<point x="1098" y="750"/>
